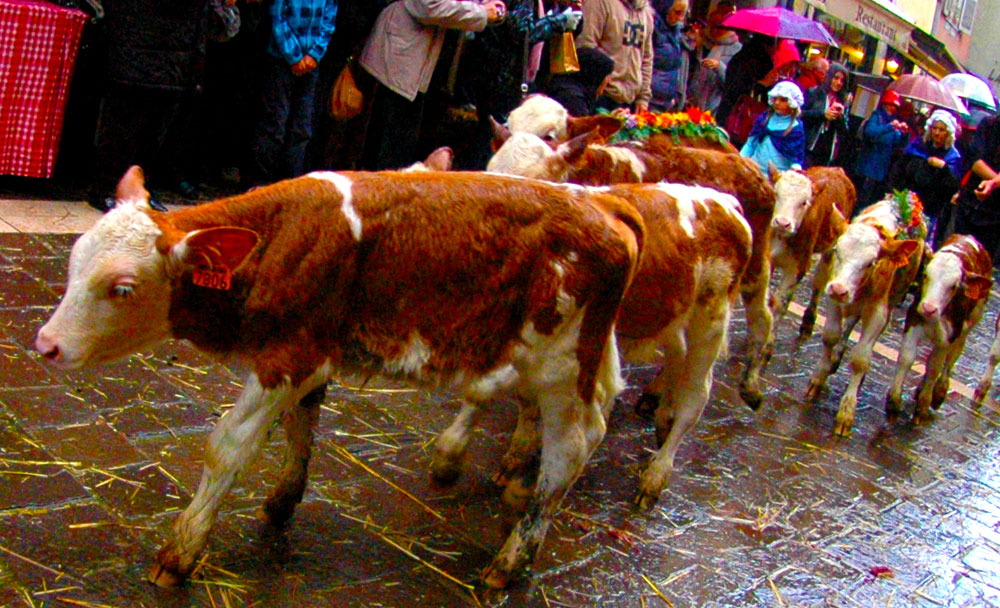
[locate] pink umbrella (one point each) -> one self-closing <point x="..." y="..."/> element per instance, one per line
<point x="920" y="87"/>
<point x="779" y="23"/>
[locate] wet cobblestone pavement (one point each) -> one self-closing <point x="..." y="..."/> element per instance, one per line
<point x="765" y="509"/>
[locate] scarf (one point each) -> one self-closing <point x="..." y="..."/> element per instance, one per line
<point x="791" y="145"/>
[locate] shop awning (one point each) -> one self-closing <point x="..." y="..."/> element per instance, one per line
<point x="877" y="18"/>
<point x="932" y="55"/>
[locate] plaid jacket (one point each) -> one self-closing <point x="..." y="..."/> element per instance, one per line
<point x="300" y="28"/>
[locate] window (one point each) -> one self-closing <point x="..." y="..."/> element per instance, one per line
<point x="968" y="16"/>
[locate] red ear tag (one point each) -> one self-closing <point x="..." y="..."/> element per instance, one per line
<point x="220" y="277"/>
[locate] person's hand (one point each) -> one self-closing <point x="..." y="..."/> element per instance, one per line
<point x="833" y="112"/>
<point x="986" y="188"/>
<point x="641" y="106"/>
<point x="711" y="64"/>
<point x="935" y="162"/>
<point x="304" y="66"/>
<point x="495" y="11"/>
<point x="572" y="18"/>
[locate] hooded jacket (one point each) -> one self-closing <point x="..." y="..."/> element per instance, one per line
<point x="705" y="88"/>
<point x="623" y="29"/>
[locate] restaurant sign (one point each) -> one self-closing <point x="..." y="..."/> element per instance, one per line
<point x="875" y="17"/>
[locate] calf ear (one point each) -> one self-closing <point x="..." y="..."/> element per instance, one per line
<point x="977" y="286"/>
<point x="572" y="150"/>
<point x="440" y="159"/>
<point x="500" y="135"/>
<point x="223" y="247"/>
<point x="132" y="186"/>
<point x="898" y="252"/>
<point x="772" y="172"/>
<point x="606" y="126"/>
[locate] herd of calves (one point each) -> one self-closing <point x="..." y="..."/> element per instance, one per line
<point x="492" y="285"/>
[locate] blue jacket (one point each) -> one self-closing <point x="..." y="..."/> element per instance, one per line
<point x="300" y="28"/>
<point x="670" y="48"/>
<point x="877" y="141"/>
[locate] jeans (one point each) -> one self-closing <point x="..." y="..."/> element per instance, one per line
<point x="284" y="124"/>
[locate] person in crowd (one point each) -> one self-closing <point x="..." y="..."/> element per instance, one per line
<point x="671" y="55"/>
<point x="718" y="46"/>
<point x="978" y="205"/>
<point x="825" y="116"/>
<point x="622" y="29"/>
<point x="880" y="133"/>
<point x="777" y="137"/>
<point x="748" y="66"/>
<point x="400" y="55"/>
<point x="579" y="92"/>
<point x="813" y="72"/>
<point x="155" y="65"/>
<point x="785" y="63"/>
<point x="931" y="166"/>
<point x="300" y="32"/>
<point x="494" y="65"/>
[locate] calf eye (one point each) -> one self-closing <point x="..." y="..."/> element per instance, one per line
<point x="121" y="291"/>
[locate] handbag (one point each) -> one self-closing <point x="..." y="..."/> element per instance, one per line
<point x="740" y="120"/>
<point x="346" y="99"/>
<point x="562" y="56"/>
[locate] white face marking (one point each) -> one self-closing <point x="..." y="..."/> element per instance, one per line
<point x="856" y="250"/>
<point x="117" y="295"/>
<point x="343" y="184"/>
<point x="525" y="155"/>
<point x="941" y="278"/>
<point x="541" y="116"/>
<point x="793" y="196"/>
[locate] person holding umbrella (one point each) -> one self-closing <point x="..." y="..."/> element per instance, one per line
<point x="880" y="133"/>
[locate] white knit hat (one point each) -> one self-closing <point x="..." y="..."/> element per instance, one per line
<point x="790" y="91"/>
<point x="945" y="117"/>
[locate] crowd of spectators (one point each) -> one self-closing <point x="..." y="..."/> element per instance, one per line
<point x="248" y="107"/>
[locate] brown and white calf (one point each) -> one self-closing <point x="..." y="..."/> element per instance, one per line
<point x="986" y="382"/>
<point x="675" y="312"/>
<point x="873" y="269"/>
<point x="483" y="283"/>
<point x="582" y="162"/>
<point x="955" y="288"/>
<point x="810" y="214"/>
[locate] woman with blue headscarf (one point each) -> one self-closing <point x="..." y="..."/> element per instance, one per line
<point x="930" y="165"/>
<point x="778" y="137"/>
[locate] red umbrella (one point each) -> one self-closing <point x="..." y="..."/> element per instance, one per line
<point x="920" y="87"/>
<point x="780" y="23"/>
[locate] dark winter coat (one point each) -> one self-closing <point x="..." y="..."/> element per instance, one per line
<point x="824" y="137"/>
<point x="935" y="186"/>
<point x="670" y="63"/>
<point x="155" y="44"/>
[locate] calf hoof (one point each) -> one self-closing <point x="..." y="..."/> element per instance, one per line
<point x="518" y="493"/>
<point x="645" y="501"/>
<point x="920" y="419"/>
<point x="893" y="408"/>
<point x="495" y="578"/>
<point x="646" y="404"/>
<point x="167" y="572"/>
<point x="843" y="428"/>
<point x="812" y="393"/>
<point x="752" y="397"/>
<point x="981" y="392"/>
<point x="445" y="472"/>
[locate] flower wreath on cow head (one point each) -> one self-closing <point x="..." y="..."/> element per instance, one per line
<point x="909" y="212"/>
<point x="691" y="123"/>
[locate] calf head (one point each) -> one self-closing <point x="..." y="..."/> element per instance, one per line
<point x="944" y="277"/>
<point x="549" y="120"/>
<point x="528" y="155"/>
<point x="793" y="195"/>
<point x="863" y="256"/>
<point x="118" y="292"/>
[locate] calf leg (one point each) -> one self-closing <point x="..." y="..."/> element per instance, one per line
<point x="759" y="327"/>
<point x="450" y="446"/>
<point x="692" y="385"/>
<point x="236" y="439"/>
<point x="907" y="353"/>
<point x="986" y="382"/>
<point x="299" y="422"/>
<point x="831" y="341"/>
<point x="860" y="360"/>
<point x="820" y="279"/>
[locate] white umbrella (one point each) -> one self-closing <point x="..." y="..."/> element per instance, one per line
<point x="971" y="88"/>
